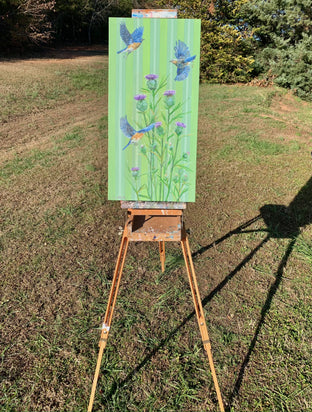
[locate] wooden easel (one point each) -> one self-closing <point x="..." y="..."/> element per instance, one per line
<point x="160" y="225"/>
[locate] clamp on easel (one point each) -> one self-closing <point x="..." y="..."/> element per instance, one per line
<point x="158" y="225"/>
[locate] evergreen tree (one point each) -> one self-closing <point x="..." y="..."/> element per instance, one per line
<point x="225" y="47"/>
<point x="283" y="41"/>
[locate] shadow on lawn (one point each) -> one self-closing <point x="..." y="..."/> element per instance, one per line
<point x="281" y="222"/>
<point x="60" y="52"/>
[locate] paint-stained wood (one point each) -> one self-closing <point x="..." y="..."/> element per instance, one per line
<point x="154" y="225"/>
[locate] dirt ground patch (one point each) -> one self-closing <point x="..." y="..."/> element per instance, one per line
<point x="35" y="130"/>
<point x="33" y="127"/>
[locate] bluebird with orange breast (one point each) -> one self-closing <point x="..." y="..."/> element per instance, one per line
<point x="182" y="61"/>
<point x="133" y="41"/>
<point x="133" y="135"/>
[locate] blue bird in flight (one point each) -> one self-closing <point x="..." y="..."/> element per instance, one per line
<point x="133" y="135"/>
<point x="182" y="61"/>
<point x="133" y="41"/>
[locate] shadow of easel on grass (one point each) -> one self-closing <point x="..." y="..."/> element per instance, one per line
<point x="282" y="222"/>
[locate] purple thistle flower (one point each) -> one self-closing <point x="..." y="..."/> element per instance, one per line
<point x="179" y="128"/>
<point x="140" y="97"/>
<point x="135" y="171"/>
<point x="169" y="93"/>
<point x="159" y="128"/>
<point x="151" y="76"/>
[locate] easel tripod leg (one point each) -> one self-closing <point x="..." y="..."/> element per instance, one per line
<point x="162" y="254"/>
<point x="200" y="314"/>
<point x="109" y="312"/>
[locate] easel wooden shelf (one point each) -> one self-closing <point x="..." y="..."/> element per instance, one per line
<point x="158" y="225"/>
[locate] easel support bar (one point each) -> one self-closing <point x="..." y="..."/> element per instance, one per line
<point x="155" y="212"/>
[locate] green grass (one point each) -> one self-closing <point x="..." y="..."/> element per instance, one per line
<point x="73" y="138"/>
<point x="102" y="125"/>
<point x="59" y="239"/>
<point x="255" y="148"/>
<point x="41" y="158"/>
<point x="304" y="249"/>
<point x="20" y="164"/>
<point x="261" y="147"/>
<point x="95" y="80"/>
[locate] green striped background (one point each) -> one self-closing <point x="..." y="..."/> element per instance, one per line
<point x="126" y="78"/>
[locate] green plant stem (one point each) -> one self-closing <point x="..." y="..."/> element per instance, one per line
<point x="153" y="106"/>
<point x="172" y="166"/>
<point x="163" y="161"/>
<point x="179" y="191"/>
<point x="150" y="161"/>
<point x="136" y="188"/>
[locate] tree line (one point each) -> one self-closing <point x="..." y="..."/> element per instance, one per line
<point x="36" y="23"/>
<point x="241" y="39"/>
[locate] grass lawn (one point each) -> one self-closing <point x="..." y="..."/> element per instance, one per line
<point x="250" y="234"/>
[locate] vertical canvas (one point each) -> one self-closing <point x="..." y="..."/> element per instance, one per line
<point x="153" y="109"/>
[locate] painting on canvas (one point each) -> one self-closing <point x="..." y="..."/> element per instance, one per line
<point x="153" y="109"/>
